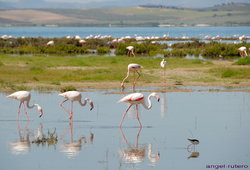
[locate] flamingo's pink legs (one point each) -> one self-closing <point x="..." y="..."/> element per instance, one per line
<point x="125" y="114"/>
<point x="19" y="110"/>
<point x="71" y="111"/>
<point x="66" y="110"/>
<point x="137" y="138"/>
<point x="137" y="116"/>
<point x="25" y="111"/>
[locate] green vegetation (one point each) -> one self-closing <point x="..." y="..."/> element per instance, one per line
<point x="243" y="61"/>
<point x="54" y="71"/>
<point x="234" y="73"/>
<point x="72" y="47"/>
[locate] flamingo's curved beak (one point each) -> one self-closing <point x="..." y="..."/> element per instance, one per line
<point x="41" y="113"/>
<point x="157" y="98"/>
<point x="91" y="104"/>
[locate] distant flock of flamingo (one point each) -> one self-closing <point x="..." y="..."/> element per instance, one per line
<point x="133" y="98"/>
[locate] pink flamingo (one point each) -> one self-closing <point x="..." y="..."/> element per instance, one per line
<point x="74" y="96"/>
<point x="135" y="99"/>
<point x="24" y="96"/>
<point x="132" y="67"/>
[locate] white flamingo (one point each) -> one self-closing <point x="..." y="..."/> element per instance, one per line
<point x="135" y="68"/>
<point x="74" y="96"/>
<point x="24" y="96"/>
<point x="130" y="51"/>
<point x="243" y="51"/>
<point x="135" y="99"/>
<point x="50" y="43"/>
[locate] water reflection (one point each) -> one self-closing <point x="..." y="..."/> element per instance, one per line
<point x="163" y="104"/>
<point x="191" y="148"/>
<point x="22" y="145"/>
<point x="133" y="154"/>
<point x="41" y="139"/>
<point x="73" y="147"/>
<point x="136" y="153"/>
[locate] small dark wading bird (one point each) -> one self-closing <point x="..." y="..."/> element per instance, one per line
<point x="24" y="96"/>
<point x="135" y="99"/>
<point x="135" y="68"/>
<point x="193" y="143"/>
<point x="74" y="96"/>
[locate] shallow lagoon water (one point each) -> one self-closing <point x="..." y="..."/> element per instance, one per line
<point x="93" y="140"/>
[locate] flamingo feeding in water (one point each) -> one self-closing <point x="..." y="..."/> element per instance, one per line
<point x="24" y="96"/>
<point x="135" y="99"/>
<point x="74" y="96"/>
<point x="132" y="67"/>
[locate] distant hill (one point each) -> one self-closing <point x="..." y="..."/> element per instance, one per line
<point x="233" y="14"/>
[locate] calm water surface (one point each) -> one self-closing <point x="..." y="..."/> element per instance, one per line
<point x="219" y="120"/>
<point x="175" y="32"/>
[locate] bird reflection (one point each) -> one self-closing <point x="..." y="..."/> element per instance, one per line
<point x="41" y="139"/>
<point x="152" y="157"/>
<point x="136" y="153"/>
<point x="164" y="105"/>
<point x="191" y="148"/>
<point x="22" y="146"/>
<point x="73" y="147"/>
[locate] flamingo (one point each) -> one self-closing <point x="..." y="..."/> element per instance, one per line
<point x="163" y="63"/>
<point x="130" y="51"/>
<point x="163" y="66"/>
<point x="243" y="51"/>
<point x="152" y="157"/>
<point x="24" y="96"/>
<point x="51" y="43"/>
<point x="135" y="99"/>
<point x="74" y="96"/>
<point x="132" y="67"/>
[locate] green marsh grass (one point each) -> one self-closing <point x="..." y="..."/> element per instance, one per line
<point x="234" y="73"/>
<point x="243" y="61"/>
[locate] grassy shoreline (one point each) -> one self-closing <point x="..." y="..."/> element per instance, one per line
<point x="99" y="72"/>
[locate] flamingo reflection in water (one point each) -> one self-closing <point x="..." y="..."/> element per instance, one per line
<point x="136" y="154"/>
<point x="22" y="146"/>
<point x="73" y="147"/>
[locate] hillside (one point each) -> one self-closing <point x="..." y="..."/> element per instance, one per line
<point x="223" y="15"/>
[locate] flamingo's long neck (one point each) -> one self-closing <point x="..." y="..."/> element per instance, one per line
<point x="149" y="103"/>
<point x="149" y="150"/>
<point x="125" y="78"/>
<point x="84" y="103"/>
<point x="28" y="105"/>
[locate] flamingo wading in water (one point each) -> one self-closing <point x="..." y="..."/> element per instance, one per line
<point x="74" y="96"/>
<point x="135" y="99"/>
<point x="24" y="96"/>
<point x="132" y="67"/>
